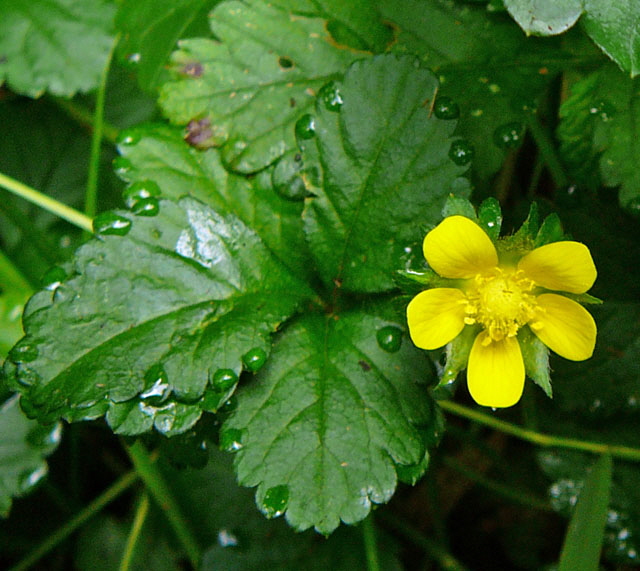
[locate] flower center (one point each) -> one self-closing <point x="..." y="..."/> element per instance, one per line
<point x="501" y="302"/>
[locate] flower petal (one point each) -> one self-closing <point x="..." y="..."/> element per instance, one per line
<point x="496" y="371"/>
<point x="435" y="317"/>
<point x="459" y="248"/>
<point x="562" y="266"/>
<point x="564" y="326"/>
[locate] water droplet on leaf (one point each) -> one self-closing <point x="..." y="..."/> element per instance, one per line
<point x="165" y="418"/>
<point x="121" y="166"/>
<point x="306" y="127"/>
<point x="389" y="338"/>
<point x="329" y="94"/>
<point x="128" y="137"/>
<point x="156" y="383"/>
<point x="275" y="501"/>
<point x="509" y="135"/>
<point x="231" y="440"/>
<point x="446" y="108"/>
<point x="146" y="207"/>
<point x="140" y="190"/>
<point x="461" y="152"/>
<point x="53" y="277"/>
<point x="25" y="351"/>
<point x="110" y="223"/>
<point x="254" y="359"/>
<point x="134" y="58"/>
<point x="224" y="379"/>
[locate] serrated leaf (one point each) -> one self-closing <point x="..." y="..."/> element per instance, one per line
<point x="253" y="84"/>
<point x="23" y="446"/>
<point x="386" y="172"/>
<point x="544" y="18"/>
<point x="59" y="46"/>
<point x="159" y="154"/>
<point x="151" y="316"/>
<point x="323" y="425"/>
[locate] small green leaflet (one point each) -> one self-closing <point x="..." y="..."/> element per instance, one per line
<point x="149" y="318"/>
<point x="59" y="46"/>
<point x="321" y="428"/>
<point x="247" y="90"/>
<point x="386" y="171"/>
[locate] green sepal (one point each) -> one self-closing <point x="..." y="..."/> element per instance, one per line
<point x="490" y="217"/>
<point x="459" y="206"/>
<point x="550" y="231"/>
<point x="427" y="277"/>
<point x="536" y="359"/>
<point x="530" y="227"/>
<point x="457" y="358"/>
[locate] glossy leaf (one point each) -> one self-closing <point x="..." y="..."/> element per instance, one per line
<point x="149" y="317"/>
<point x="59" y="46"/>
<point x="24" y="444"/>
<point x="323" y="425"/>
<point x="252" y="84"/>
<point x="542" y="18"/>
<point x="386" y="172"/>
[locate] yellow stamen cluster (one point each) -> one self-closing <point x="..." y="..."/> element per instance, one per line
<point x="501" y="302"/>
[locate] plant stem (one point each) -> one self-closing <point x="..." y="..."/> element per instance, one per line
<point x="134" y="535"/>
<point x="154" y="481"/>
<point x="370" y="543"/>
<point x="91" y="193"/>
<point x="548" y="152"/>
<point x="50" y="204"/>
<point x="74" y="523"/>
<point x="546" y="440"/>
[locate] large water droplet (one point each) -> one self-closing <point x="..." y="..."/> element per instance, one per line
<point x="231" y="440"/>
<point x="509" y="135"/>
<point x="461" y="152"/>
<point x="146" y="207"/>
<point x="287" y="179"/>
<point x="156" y="383"/>
<point x="165" y="418"/>
<point x="446" y="108"/>
<point x="224" y="379"/>
<point x="53" y="278"/>
<point x="140" y="190"/>
<point x="107" y="223"/>
<point x="24" y="351"/>
<point x="389" y="338"/>
<point x="254" y="359"/>
<point x="329" y="94"/>
<point x="306" y="127"/>
<point x="275" y="501"/>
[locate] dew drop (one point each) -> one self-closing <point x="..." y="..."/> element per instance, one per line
<point x="604" y="110"/>
<point x="121" y="166"/>
<point x="165" y="418"/>
<point x="329" y="94"/>
<point x="306" y="127"/>
<point x="389" y="338"/>
<point x="509" y="135"/>
<point x="128" y="137"/>
<point x="224" y="379"/>
<point x="53" y="278"/>
<point x="254" y="359"/>
<point x="24" y="351"/>
<point x="134" y="58"/>
<point x="227" y="539"/>
<point x="446" y="108"/>
<point x="275" y="501"/>
<point x="110" y="223"/>
<point x="29" y="478"/>
<point x="157" y="388"/>
<point x="231" y="440"/>
<point x="569" y="196"/>
<point x="140" y="190"/>
<point x="461" y="152"/>
<point x="146" y="207"/>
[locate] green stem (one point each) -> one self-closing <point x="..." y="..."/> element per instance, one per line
<point x="548" y="152"/>
<point x="91" y="194"/>
<point x="72" y="525"/>
<point x="546" y="440"/>
<point x="370" y="543"/>
<point x="50" y="204"/>
<point x="134" y="535"/>
<point x="436" y="552"/>
<point x="154" y="481"/>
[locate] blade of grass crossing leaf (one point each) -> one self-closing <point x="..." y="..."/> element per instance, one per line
<point x="583" y="543"/>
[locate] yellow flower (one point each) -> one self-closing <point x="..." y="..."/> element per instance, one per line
<point x="499" y="294"/>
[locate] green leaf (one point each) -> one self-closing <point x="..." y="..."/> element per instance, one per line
<point x="151" y="30"/>
<point x="23" y="446"/>
<point x="252" y="85"/>
<point x="582" y="545"/>
<point x="148" y="319"/>
<point x="386" y="172"/>
<point x="543" y="18"/>
<point x="59" y="46"/>
<point x="321" y="428"/>
<point x="157" y="154"/>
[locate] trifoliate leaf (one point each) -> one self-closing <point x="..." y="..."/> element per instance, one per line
<point x="386" y="171"/>
<point x="321" y="427"/>
<point x="59" y="46"/>
<point x="151" y="315"/>
<point x="23" y="446"/>
<point x="158" y="155"/>
<point x="249" y="88"/>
